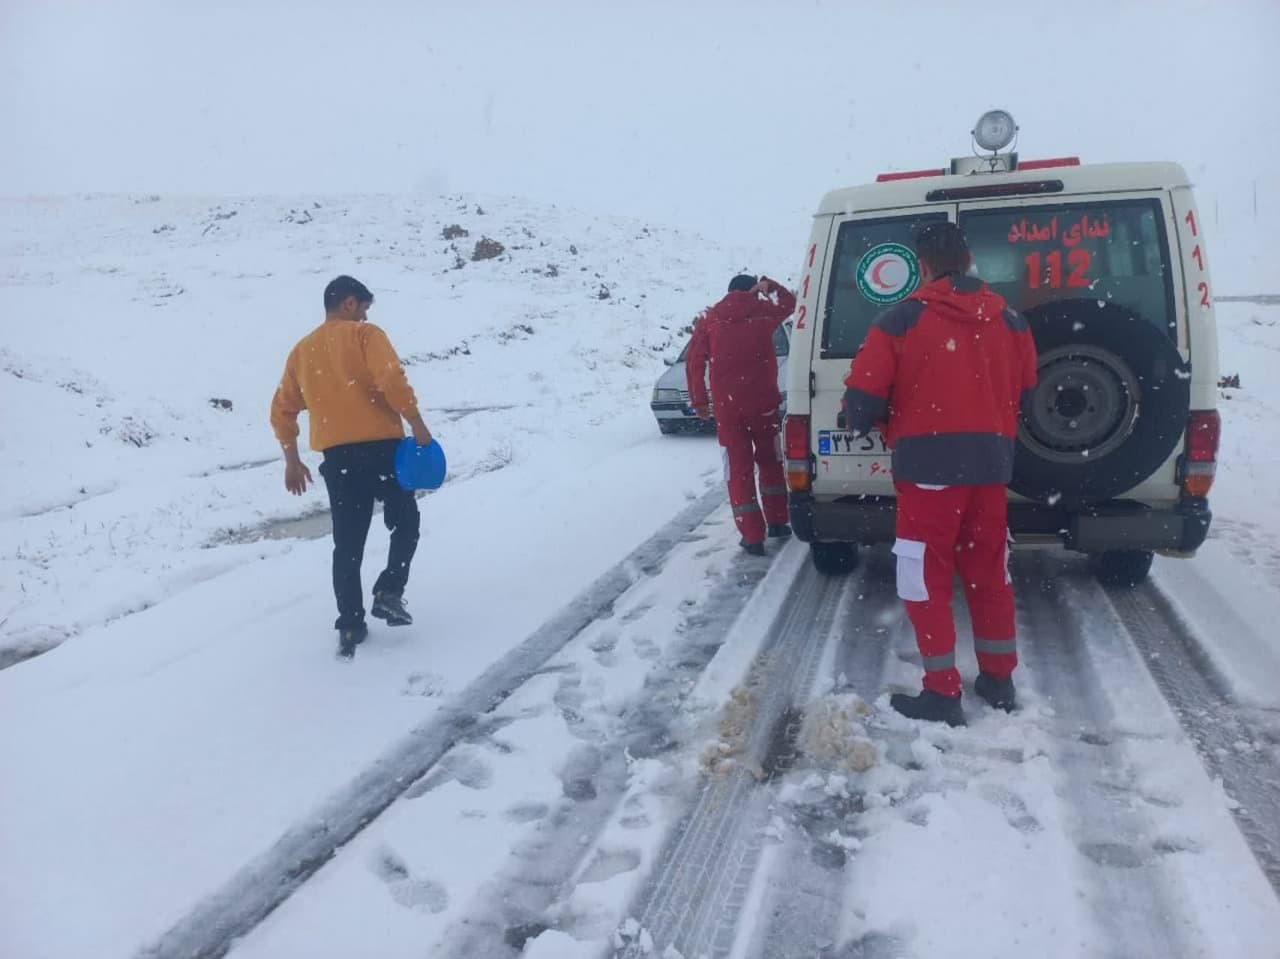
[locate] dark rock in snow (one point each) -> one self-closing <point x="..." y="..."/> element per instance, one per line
<point x="487" y="249"/>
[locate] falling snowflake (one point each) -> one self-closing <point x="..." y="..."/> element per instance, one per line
<point x="951" y="345"/>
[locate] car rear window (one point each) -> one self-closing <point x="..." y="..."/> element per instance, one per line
<point x="874" y="268"/>
<point x="1112" y="252"/>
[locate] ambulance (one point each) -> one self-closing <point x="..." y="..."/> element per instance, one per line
<point x="1108" y="263"/>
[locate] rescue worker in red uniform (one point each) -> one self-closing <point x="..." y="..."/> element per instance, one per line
<point x="736" y="337"/>
<point x="946" y="372"/>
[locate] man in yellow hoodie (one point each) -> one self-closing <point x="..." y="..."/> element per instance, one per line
<point x="347" y="375"/>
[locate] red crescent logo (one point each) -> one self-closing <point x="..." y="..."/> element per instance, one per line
<point x="875" y="274"/>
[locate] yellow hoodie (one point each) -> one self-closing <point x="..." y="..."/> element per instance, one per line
<point x="348" y="377"/>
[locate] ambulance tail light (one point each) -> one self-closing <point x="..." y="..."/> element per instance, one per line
<point x="1200" y="464"/>
<point x="1048" y="164"/>
<point x="795" y="444"/>
<point x="908" y="175"/>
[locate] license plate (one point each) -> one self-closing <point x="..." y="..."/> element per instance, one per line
<point x="841" y="443"/>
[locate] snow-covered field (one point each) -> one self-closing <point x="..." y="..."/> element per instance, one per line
<point x="146" y="336"/>
<point x="185" y="729"/>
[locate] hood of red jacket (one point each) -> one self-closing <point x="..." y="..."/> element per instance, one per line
<point x="963" y="298"/>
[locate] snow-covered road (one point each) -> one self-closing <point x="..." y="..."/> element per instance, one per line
<point x="722" y="779"/>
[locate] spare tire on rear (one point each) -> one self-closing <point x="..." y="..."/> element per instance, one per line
<point x="1110" y="406"/>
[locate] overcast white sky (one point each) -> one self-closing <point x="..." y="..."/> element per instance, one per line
<point x="730" y="117"/>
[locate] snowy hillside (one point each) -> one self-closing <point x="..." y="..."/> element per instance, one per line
<point x="144" y="337"/>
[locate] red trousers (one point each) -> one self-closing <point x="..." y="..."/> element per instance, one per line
<point x="751" y="443"/>
<point x="941" y="531"/>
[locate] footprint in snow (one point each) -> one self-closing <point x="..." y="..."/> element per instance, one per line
<point x="569" y="700"/>
<point x="469" y="770"/>
<point x="605" y="642"/>
<point x="634" y="812"/>
<point x="646" y="648"/>
<point x="918" y="816"/>
<point x="1013" y="806"/>
<point x="423" y="684"/>
<point x="604" y="647"/>
<point x="636" y="612"/>
<point x="420" y="895"/>
<point x="1115" y="855"/>
<point x="610" y="863"/>
<point x="528" y="812"/>
<point x="873" y="945"/>
<point x="462" y="765"/>
<point x="388" y="866"/>
<point x="1174" y="844"/>
<point x="579" y="773"/>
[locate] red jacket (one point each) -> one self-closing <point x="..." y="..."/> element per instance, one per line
<point x="948" y="369"/>
<point x="736" y="337"/>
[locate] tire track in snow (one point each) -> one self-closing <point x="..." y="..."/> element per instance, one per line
<point x="516" y="907"/>
<point x="1132" y="894"/>
<point x="804" y="895"/>
<point x="1232" y="741"/>
<point x="1127" y="893"/>
<point x="693" y="900"/>
<point x="210" y="929"/>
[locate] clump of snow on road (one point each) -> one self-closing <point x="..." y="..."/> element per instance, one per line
<point x="834" y="736"/>
<point x="739" y="715"/>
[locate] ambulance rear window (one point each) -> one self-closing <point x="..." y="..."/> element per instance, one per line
<point x="875" y="267"/>
<point x="1112" y="252"/>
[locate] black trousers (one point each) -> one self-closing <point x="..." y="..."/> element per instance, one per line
<point x="355" y="475"/>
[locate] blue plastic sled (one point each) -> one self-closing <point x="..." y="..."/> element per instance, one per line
<point x="420" y="467"/>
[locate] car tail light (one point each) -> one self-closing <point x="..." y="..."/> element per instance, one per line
<point x="796" y="446"/>
<point x="908" y="175"/>
<point x="1048" y="164"/>
<point x="1204" y="431"/>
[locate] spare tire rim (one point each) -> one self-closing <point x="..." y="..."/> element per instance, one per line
<point x="1084" y="406"/>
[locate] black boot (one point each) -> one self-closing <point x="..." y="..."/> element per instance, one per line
<point x="999" y="693"/>
<point x="349" y="639"/>
<point x="931" y="706"/>
<point x="390" y="606"/>
<point x="755" y="549"/>
<point x="779" y="531"/>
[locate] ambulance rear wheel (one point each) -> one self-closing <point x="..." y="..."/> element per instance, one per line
<point x="834" y="559"/>
<point x="1125" y="568"/>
